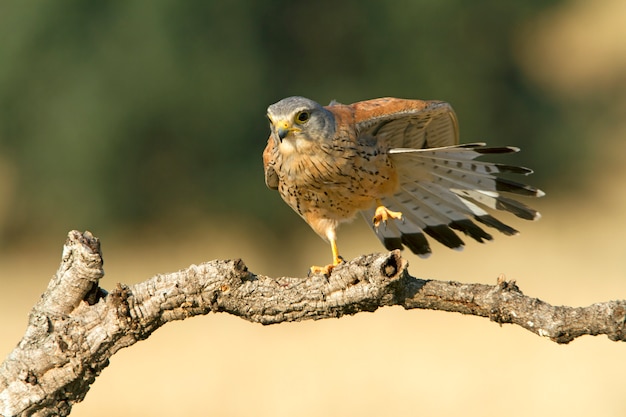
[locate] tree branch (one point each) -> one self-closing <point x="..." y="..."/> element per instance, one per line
<point x="77" y="326"/>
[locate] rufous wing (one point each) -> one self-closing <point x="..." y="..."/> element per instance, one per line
<point x="271" y="178"/>
<point x="401" y="123"/>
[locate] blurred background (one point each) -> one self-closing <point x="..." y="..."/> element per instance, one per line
<point x="144" y="122"/>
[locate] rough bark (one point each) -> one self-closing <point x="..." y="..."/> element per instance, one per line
<point x="77" y="326"/>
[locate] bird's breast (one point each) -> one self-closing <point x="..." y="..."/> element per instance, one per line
<point x="334" y="180"/>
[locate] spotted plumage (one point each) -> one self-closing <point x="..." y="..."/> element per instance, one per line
<point x="397" y="162"/>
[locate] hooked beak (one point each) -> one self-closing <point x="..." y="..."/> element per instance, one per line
<point x="283" y="128"/>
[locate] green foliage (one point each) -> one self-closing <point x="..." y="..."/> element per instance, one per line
<point x="123" y="112"/>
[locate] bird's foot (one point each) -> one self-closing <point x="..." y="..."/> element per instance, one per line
<point x="325" y="270"/>
<point x="383" y="214"/>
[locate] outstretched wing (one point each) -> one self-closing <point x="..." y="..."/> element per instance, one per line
<point x="441" y="186"/>
<point x="442" y="189"/>
<point x="400" y="123"/>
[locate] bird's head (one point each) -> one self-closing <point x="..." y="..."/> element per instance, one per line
<point x="295" y="118"/>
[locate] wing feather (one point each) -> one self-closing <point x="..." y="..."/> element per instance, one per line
<point x="399" y="123"/>
<point x="441" y="190"/>
<point x="271" y="177"/>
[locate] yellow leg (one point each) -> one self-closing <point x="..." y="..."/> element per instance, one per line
<point x="383" y="214"/>
<point x="337" y="259"/>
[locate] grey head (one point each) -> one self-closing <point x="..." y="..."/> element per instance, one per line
<point x="300" y="117"/>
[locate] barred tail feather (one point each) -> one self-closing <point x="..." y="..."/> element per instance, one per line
<point x="441" y="190"/>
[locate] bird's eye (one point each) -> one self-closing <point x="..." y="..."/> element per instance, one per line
<point x="302" y="117"/>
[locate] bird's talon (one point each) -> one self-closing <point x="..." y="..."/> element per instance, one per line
<point x="326" y="270"/>
<point x="323" y="270"/>
<point x="383" y="214"/>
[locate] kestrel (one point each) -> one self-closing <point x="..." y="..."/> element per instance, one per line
<point x="396" y="161"/>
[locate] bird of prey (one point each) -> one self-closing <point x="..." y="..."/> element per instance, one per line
<point x="396" y="161"/>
